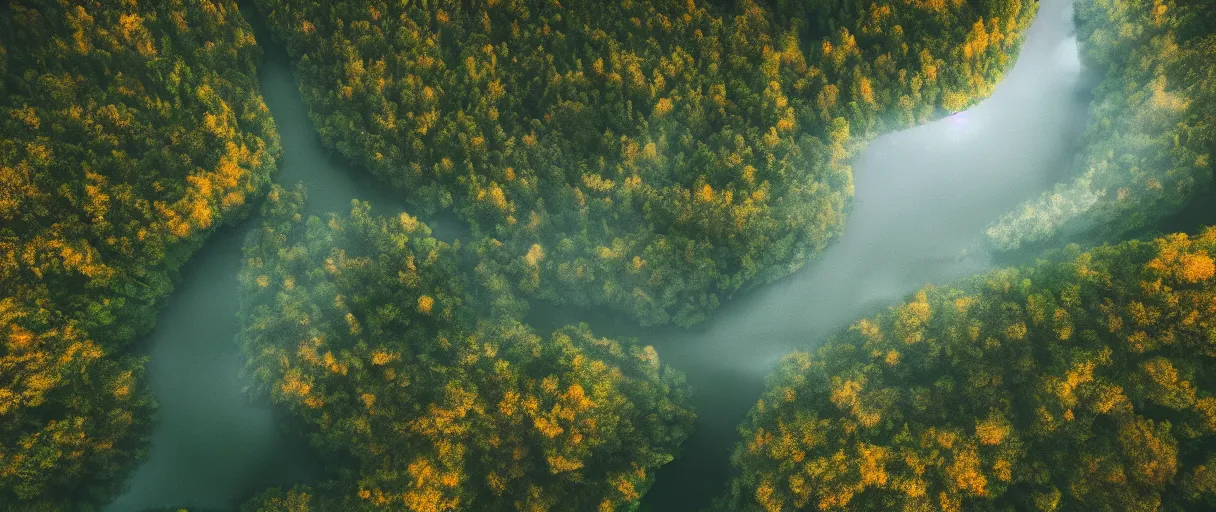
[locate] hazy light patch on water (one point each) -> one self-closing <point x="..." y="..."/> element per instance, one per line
<point x="961" y="129"/>
<point x="1068" y="57"/>
<point x="923" y="199"/>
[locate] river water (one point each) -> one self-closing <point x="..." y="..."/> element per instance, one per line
<point x="212" y="448"/>
<point x="923" y="197"/>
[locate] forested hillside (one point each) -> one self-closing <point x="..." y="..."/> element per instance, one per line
<point x="1081" y="383"/>
<point x="130" y="131"/>
<point x="412" y="376"/>
<point x="1152" y="128"/>
<point x="651" y="157"/>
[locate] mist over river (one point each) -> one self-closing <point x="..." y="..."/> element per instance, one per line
<point x="212" y="448"/>
<point x="923" y="199"/>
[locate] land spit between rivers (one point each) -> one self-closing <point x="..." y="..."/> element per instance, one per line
<point x="923" y="198"/>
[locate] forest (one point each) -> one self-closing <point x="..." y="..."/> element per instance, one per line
<point x="658" y="168"/>
<point x="1083" y="382"/>
<point x="1080" y="382"/>
<point x="129" y="135"/>
<point x="419" y="385"/>
<point x="649" y="159"/>
<point x="1148" y="148"/>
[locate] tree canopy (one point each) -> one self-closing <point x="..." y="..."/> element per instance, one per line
<point x="420" y="388"/>
<point x="1084" y="382"/>
<point x="651" y="157"/>
<point x="129" y="132"/>
<point x="1148" y="148"/>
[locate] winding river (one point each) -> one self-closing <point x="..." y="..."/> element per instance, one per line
<point x="923" y="197"/>
<point x="212" y="448"/>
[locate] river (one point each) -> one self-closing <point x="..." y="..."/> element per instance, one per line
<point x="923" y="197"/>
<point x="212" y="448"/>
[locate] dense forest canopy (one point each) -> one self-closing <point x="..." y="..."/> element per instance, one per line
<point x="653" y="157"/>
<point x="420" y="388"/>
<point x="1084" y="382"/>
<point x="648" y="157"/>
<point x="129" y="132"/>
<point x="1152" y="128"/>
<point x="1079" y="383"/>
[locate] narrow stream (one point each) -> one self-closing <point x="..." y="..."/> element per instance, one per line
<point x="212" y="448"/>
<point x="924" y="196"/>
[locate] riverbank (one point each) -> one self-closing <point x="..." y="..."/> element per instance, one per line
<point x="923" y="197"/>
<point x="212" y="449"/>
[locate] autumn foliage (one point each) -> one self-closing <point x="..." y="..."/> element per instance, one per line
<point x="130" y="131"/>
<point x="663" y="154"/>
<point x="1152" y="128"/>
<point x="1083" y="382"/>
<point x="417" y="384"/>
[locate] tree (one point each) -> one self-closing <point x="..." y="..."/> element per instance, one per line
<point x="674" y="132"/>
<point x="1148" y="147"/>
<point x="129" y="133"/>
<point x="1080" y="382"/>
<point x="420" y="388"/>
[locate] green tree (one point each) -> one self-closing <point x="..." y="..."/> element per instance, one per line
<point x="128" y="132"/>
<point x="1080" y="383"/>
<point x="421" y="390"/>
<point x="1148" y="147"/>
<point x="663" y="154"/>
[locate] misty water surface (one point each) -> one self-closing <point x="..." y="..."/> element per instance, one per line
<point x="211" y="447"/>
<point x="923" y="196"/>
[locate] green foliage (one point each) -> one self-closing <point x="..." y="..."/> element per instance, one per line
<point x="129" y="132"/>
<point x="1080" y="383"/>
<point x="652" y="157"/>
<point x="179" y="509"/>
<point x="1151" y="133"/>
<point x="296" y="499"/>
<point x="420" y="388"/>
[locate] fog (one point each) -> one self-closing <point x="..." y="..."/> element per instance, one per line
<point x="212" y="448"/>
<point x="923" y="198"/>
